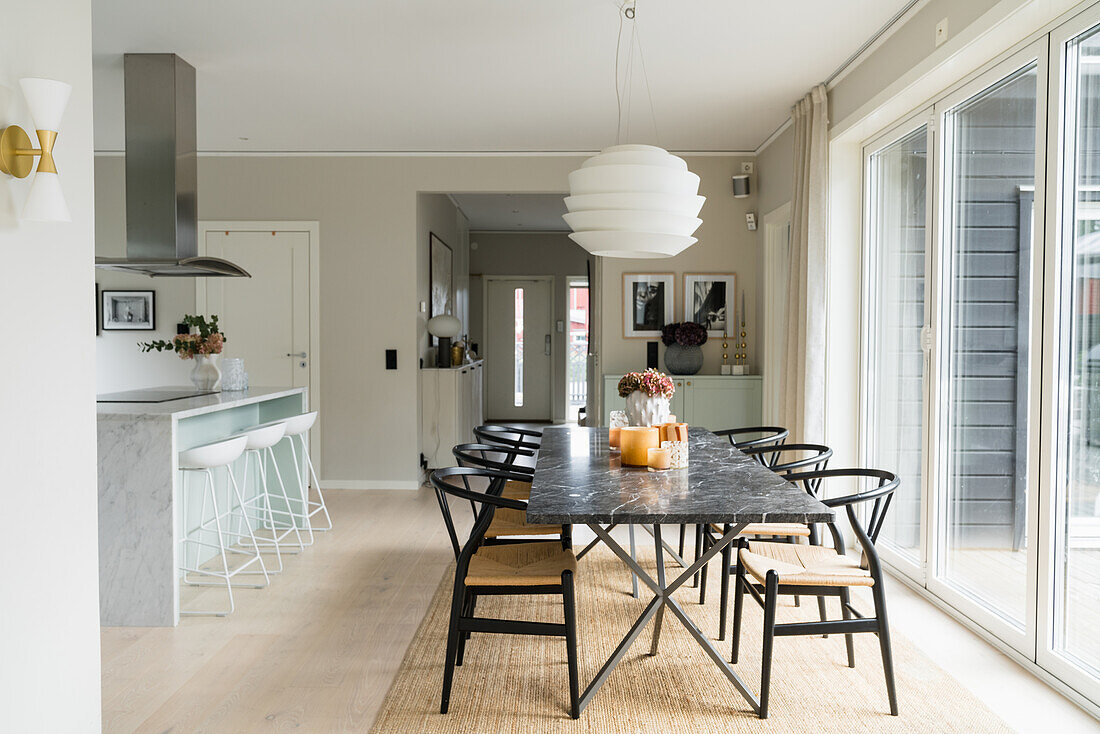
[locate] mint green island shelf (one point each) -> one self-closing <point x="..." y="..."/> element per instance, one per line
<point x="140" y="486"/>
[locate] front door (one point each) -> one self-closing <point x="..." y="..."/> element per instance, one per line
<point x="266" y="317"/>
<point x="517" y="349"/>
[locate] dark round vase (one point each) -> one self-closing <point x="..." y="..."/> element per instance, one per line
<point x="683" y="360"/>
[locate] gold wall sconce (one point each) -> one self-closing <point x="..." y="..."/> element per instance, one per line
<point x="46" y="100"/>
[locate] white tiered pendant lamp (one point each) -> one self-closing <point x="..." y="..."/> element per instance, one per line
<point x="633" y="201"/>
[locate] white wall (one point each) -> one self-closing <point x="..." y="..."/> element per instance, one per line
<point x="49" y="589"/>
<point x="374" y="271"/>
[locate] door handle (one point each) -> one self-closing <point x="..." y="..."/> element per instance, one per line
<point x="546" y="348"/>
<point x="299" y="355"/>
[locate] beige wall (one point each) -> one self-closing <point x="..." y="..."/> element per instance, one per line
<point x="49" y="589"/>
<point x="525" y="253"/>
<point x="725" y="245"/>
<point x="374" y="271"/>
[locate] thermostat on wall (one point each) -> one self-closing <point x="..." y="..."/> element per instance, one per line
<point x="750" y="221"/>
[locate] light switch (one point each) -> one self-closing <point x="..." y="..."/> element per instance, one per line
<point x="423" y="307"/>
<point x="561" y="326"/>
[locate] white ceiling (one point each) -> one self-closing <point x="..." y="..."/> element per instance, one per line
<point x="513" y="212"/>
<point x="477" y="75"/>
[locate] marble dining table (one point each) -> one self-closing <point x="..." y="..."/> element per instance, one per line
<point x="578" y="479"/>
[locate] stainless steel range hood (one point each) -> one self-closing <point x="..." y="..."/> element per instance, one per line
<point x="162" y="173"/>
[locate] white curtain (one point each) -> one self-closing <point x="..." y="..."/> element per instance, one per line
<point x="802" y="388"/>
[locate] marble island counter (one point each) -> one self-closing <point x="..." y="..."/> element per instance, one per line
<point x="140" y="491"/>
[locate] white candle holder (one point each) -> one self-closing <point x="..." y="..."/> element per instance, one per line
<point x="678" y="453"/>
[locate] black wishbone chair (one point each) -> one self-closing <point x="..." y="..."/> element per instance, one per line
<point x="766" y="570"/>
<point x="507" y="523"/>
<point x="739" y="438"/>
<point x="785" y="460"/>
<point x="518" y="438"/>
<point x="514" y="569"/>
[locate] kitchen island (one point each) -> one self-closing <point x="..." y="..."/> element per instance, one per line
<point x="140" y="508"/>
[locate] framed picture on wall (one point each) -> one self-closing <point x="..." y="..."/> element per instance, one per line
<point x="128" y="310"/>
<point x="710" y="301"/>
<point x="441" y="278"/>
<point x="649" y="302"/>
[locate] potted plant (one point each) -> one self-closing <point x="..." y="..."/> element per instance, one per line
<point x="683" y="355"/>
<point x="647" y="395"/>
<point x="203" y="344"/>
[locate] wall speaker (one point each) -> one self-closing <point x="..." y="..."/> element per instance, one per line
<point x="740" y="187"/>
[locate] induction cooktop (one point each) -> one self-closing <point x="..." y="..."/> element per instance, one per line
<point x="152" y="395"/>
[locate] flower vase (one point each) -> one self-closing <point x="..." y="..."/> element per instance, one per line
<point x="205" y="375"/>
<point x="682" y="360"/>
<point x="646" y="410"/>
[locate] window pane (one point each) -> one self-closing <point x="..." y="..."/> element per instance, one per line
<point x="897" y="182"/>
<point x="990" y="151"/>
<point x="518" y="339"/>
<point x="1077" y="629"/>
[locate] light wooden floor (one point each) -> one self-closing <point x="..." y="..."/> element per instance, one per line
<point x="318" y="651"/>
<point x="315" y="652"/>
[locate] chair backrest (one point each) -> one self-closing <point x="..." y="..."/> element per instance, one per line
<point x="790" y="458"/>
<point x="879" y="495"/>
<point x="770" y="436"/>
<point x="479" y="454"/>
<point x="519" y="438"/>
<point x="459" y="481"/>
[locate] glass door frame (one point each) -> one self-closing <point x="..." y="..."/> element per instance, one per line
<point x="925" y="117"/>
<point x="1062" y="128"/>
<point x="1023" y="640"/>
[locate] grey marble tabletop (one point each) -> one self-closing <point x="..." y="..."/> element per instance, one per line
<point x="579" y="480"/>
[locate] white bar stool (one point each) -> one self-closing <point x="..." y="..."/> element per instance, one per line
<point x="259" y="442"/>
<point x="296" y="427"/>
<point x="204" y="459"/>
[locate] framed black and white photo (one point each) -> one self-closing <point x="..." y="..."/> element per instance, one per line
<point x="441" y="277"/>
<point x="709" y="300"/>
<point x="128" y="310"/>
<point x="649" y="302"/>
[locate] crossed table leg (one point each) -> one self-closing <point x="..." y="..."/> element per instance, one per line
<point x="655" y="609"/>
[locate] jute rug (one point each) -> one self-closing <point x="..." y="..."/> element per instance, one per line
<point x="520" y="684"/>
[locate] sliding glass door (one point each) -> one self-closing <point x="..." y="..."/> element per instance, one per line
<point x="989" y="172"/>
<point x="897" y="174"/>
<point x="981" y="363"/>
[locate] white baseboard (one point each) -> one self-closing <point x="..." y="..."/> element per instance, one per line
<point x="367" y="484"/>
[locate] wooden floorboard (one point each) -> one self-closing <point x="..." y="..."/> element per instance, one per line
<point x="316" y="651"/>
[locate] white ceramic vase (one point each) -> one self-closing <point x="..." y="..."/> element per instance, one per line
<point x="205" y="375"/>
<point x="646" y="410"/>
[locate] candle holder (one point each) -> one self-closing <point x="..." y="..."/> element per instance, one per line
<point x="635" y="442"/>
<point x="678" y="453"/>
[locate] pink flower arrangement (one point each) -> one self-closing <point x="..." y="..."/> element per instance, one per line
<point x="651" y="382"/>
<point x="204" y="341"/>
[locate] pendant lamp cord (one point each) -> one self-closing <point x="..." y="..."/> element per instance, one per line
<point x="628" y="11"/>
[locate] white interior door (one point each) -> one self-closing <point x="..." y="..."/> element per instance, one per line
<point x="518" y="344"/>
<point x="265" y="317"/>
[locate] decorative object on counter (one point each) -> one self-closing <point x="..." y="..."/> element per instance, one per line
<point x="203" y="344"/>
<point x="647" y="395"/>
<point x="444" y="328"/>
<point x="129" y="310"/>
<point x="673" y="431"/>
<point x="458" y="354"/>
<point x="658" y="459"/>
<point x="741" y="358"/>
<point x="678" y="452"/>
<point x="233" y="375"/>
<point x="618" y="420"/>
<point x="613" y="433"/>
<point x="46" y="100"/>
<point x="648" y="304"/>
<point x="709" y="300"/>
<point x="683" y="355"/>
<point x="635" y="443"/>
<point x="636" y="201"/>
<point x="441" y="277"/>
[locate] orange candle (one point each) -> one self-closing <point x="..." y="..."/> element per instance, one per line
<point x="677" y="432"/>
<point x="635" y="441"/>
<point x="659" y="458"/>
<point x="613" y="437"/>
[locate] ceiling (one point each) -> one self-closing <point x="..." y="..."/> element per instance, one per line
<point x="513" y="212"/>
<point x="478" y="75"/>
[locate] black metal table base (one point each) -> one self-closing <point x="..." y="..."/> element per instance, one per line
<point x="654" y="611"/>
